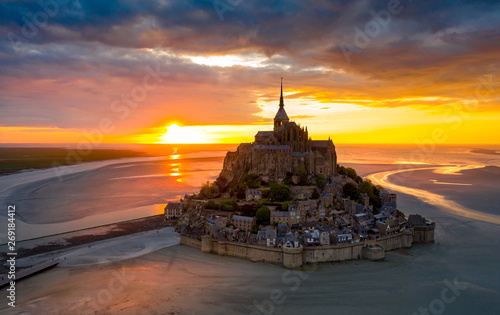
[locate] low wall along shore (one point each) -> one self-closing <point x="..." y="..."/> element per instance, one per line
<point x="295" y="257"/>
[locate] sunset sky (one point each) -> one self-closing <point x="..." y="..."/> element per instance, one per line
<point x="206" y="72"/>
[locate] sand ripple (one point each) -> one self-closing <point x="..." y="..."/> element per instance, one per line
<point x="439" y="201"/>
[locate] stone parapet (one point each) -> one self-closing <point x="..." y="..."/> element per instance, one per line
<point x="296" y="257"/>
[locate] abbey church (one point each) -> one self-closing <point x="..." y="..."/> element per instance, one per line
<point x="274" y="154"/>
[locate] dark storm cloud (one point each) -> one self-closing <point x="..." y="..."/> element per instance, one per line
<point x="95" y="42"/>
<point x="268" y="26"/>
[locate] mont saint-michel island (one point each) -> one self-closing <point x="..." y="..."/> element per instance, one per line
<point x="284" y="199"/>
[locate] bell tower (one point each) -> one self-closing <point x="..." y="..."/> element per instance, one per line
<point x="281" y="117"/>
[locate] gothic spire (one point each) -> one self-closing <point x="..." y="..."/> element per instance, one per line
<point x="281" y="117"/>
<point x="281" y="96"/>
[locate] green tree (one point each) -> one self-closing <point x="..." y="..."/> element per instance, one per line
<point x="209" y="190"/>
<point x="254" y="209"/>
<point x="341" y="170"/>
<point x="230" y="205"/>
<point x="226" y="207"/>
<point x="351" y="173"/>
<point x="350" y="190"/>
<point x="211" y="205"/>
<point x="373" y="193"/>
<point x="241" y="193"/>
<point x="279" y="192"/>
<point x="262" y="215"/>
<point x="251" y="180"/>
<point x="321" y="181"/>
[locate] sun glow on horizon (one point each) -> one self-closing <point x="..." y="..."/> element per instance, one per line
<point x="187" y="134"/>
<point x="209" y="134"/>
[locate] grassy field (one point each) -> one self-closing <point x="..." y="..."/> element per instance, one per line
<point x="16" y="159"/>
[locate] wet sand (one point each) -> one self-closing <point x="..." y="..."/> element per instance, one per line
<point x="182" y="280"/>
<point x="67" y="240"/>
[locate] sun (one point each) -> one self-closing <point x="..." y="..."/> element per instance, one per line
<point x="187" y="134"/>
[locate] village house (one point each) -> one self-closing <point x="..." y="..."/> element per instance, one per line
<point x="307" y="208"/>
<point x="253" y="195"/>
<point x="333" y="189"/>
<point x="324" y="238"/>
<point x="271" y="237"/>
<point x="321" y="211"/>
<point x="327" y="199"/>
<point x="292" y="240"/>
<point x="267" y="237"/>
<point x="311" y="238"/>
<point x="243" y="222"/>
<point x="279" y="217"/>
<point x="282" y="229"/>
<point x="173" y="210"/>
<point x="344" y="238"/>
<point x="295" y="216"/>
<point x="302" y="192"/>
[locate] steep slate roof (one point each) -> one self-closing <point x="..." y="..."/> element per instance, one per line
<point x="281" y="114"/>
<point x="243" y="218"/>
<point x="359" y="208"/>
<point x="415" y="220"/>
<point x="280" y="214"/>
<point x="254" y="192"/>
<point x="270" y="234"/>
<point x="174" y="205"/>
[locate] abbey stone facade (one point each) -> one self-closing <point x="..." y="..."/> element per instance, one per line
<point x="275" y="153"/>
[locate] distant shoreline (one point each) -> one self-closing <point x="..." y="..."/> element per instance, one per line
<point x="484" y="151"/>
<point x="17" y="160"/>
